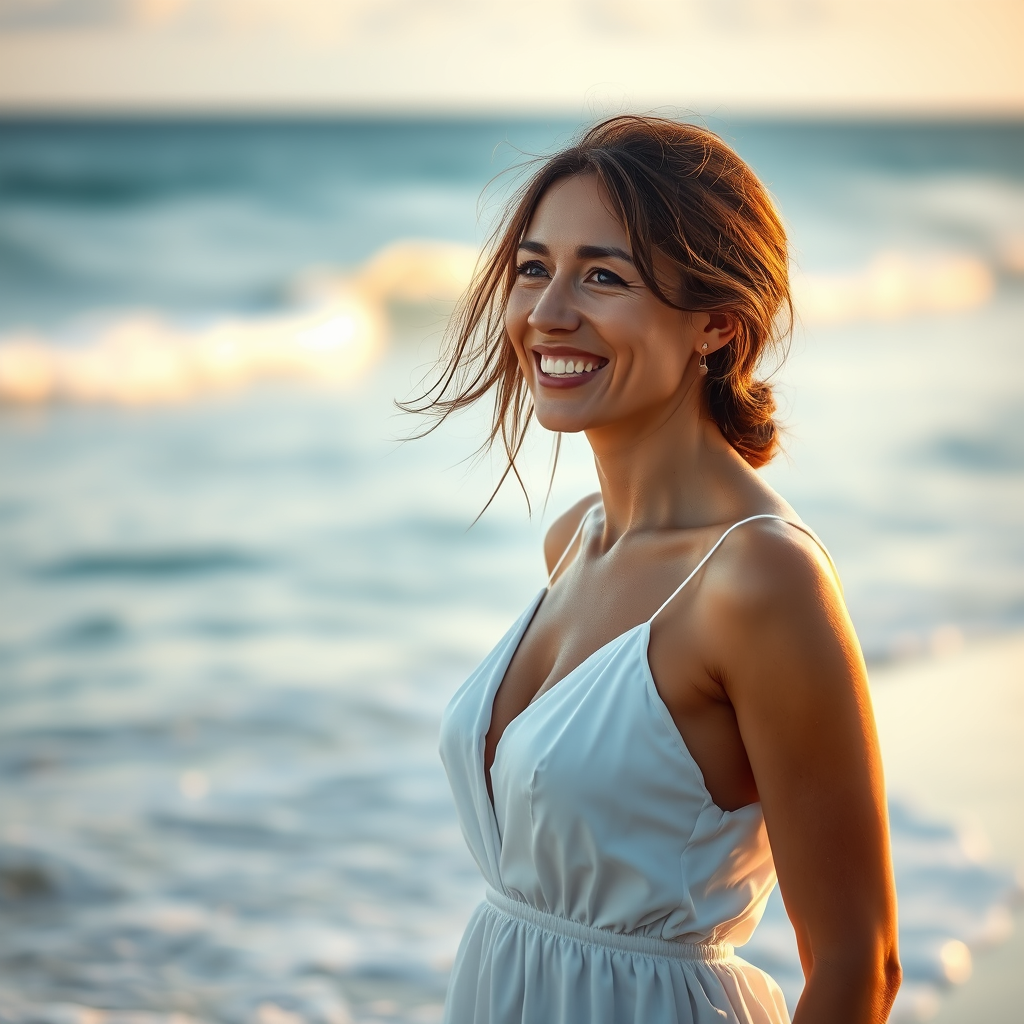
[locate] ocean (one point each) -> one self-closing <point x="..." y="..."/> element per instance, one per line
<point x="233" y="602"/>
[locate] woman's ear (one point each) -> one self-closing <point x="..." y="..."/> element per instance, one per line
<point x="719" y="330"/>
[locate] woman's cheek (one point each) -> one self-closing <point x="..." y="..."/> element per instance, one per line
<point x="514" y="331"/>
<point x="516" y="316"/>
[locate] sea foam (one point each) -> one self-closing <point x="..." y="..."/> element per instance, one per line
<point x="337" y="329"/>
<point x="341" y="323"/>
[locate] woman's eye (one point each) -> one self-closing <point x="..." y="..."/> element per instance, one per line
<point x="606" y="277"/>
<point x="531" y="269"/>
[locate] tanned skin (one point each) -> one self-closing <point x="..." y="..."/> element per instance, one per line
<point x="756" y="659"/>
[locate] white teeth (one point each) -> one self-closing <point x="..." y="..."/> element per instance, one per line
<point x="564" y="367"/>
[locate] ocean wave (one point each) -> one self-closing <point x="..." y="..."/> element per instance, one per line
<point x="34" y="875"/>
<point x="338" y="329"/>
<point x="892" y="286"/>
<point x="341" y="324"/>
<point x="149" y="564"/>
<point x="97" y="188"/>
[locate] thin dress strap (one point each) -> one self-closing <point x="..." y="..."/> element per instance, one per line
<point x="717" y="544"/>
<point x="568" y="547"/>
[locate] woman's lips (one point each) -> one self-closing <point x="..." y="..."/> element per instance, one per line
<point x="567" y="369"/>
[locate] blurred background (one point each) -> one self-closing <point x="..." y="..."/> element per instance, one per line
<point x="233" y="604"/>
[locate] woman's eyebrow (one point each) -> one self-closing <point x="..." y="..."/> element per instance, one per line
<point x="538" y="247"/>
<point x="583" y="252"/>
<point x="591" y="252"/>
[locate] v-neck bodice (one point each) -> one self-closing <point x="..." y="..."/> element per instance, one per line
<point x="570" y="771"/>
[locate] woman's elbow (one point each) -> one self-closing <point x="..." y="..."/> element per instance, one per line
<point x="888" y="969"/>
<point x="892" y="973"/>
<point x="872" y="969"/>
<point x="864" y="976"/>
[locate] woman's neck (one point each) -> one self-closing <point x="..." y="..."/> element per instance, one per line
<point x="670" y="468"/>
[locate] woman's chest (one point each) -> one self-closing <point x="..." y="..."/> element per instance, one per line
<point x="572" y="629"/>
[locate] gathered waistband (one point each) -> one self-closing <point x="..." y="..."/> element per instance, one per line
<point x="645" y="945"/>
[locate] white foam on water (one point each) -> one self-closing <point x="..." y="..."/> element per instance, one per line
<point x="892" y="286"/>
<point x="339" y="331"/>
<point x="342" y="326"/>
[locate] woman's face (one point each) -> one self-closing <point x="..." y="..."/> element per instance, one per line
<point x="595" y="344"/>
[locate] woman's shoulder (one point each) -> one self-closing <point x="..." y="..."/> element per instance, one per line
<point x="771" y="618"/>
<point x="562" y="530"/>
<point x="772" y="561"/>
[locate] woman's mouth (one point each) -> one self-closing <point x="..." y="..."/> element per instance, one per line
<point x="567" y="370"/>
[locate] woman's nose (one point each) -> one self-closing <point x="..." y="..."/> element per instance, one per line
<point x="555" y="311"/>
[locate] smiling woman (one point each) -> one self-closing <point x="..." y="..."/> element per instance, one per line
<point x="681" y="715"/>
<point x="728" y="253"/>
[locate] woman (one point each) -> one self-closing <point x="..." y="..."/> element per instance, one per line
<point x="682" y="714"/>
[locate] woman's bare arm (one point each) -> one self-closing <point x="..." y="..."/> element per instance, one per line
<point x="790" y="663"/>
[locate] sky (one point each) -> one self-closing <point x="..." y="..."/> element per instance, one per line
<point x="724" y="57"/>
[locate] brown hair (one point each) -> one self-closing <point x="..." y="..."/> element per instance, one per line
<point x="682" y="192"/>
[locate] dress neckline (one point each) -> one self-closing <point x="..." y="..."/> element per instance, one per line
<point x="541" y="694"/>
<point x="652" y="688"/>
<point x="530" y="613"/>
<point x="513" y="646"/>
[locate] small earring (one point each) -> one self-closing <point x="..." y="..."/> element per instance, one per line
<point x="702" y="366"/>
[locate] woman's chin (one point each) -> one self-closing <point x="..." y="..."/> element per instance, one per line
<point x="559" y="422"/>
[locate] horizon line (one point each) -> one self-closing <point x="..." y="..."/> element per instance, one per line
<point x="1007" y="114"/>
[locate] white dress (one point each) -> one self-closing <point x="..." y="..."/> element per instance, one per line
<point x="616" y="887"/>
